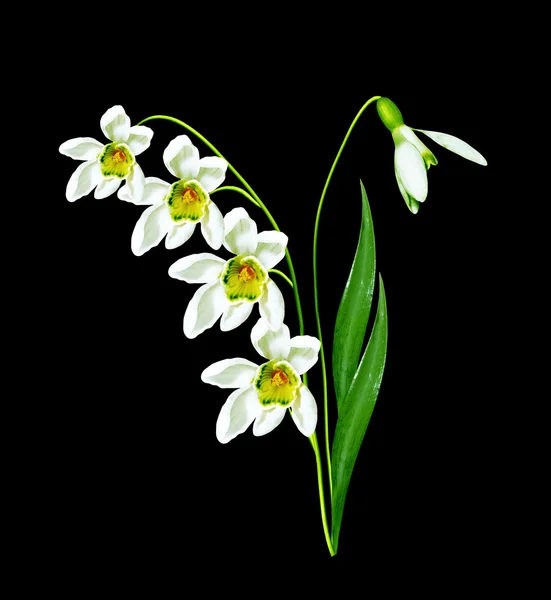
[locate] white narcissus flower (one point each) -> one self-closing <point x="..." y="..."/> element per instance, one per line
<point x="232" y="287"/>
<point x="177" y="208"/>
<point x="105" y="166"/>
<point x="412" y="159"/>
<point x="264" y="392"/>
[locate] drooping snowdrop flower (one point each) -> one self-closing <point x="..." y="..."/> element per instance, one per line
<point x="105" y="166"/>
<point x="412" y="159"/>
<point x="177" y="208"/>
<point x="232" y="287"/>
<point x="264" y="392"/>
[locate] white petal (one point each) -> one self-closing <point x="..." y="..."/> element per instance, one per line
<point x="139" y="138"/>
<point x="272" y="306"/>
<point x="268" y="420"/>
<point x="271" y="344"/>
<point x="305" y="411"/>
<point x="136" y="183"/>
<point x="454" y="144"/>
<point x="239" y="411"/>
<point x="204" y="308"/>
<point x="154" y="191"/>
<point x="83" y="180"/>
<point x="150" y="229"/>
<point x="212" y="226"/>
<point x="241" y="232"/>
<point x="181" y="158"/>
<point x="235" y="315"/>
<point x="270" y="248"/>
<point x="83" y="148"/>
<point x="106" y="187"/>
<point x="212" y="172"/>
<point x="230" y="373"/>
<point x="115" y="124"/>
<point x="410" y="168"/>
<point x="197" y="268"/>
<point x="304" y="352"/>
<point x="412" y="204"/>
<point x="179" y="235"/>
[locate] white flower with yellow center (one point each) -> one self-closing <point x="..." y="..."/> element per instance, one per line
<point x="265" y="392"/>
<point x="232" y="287"/>
<point x="177" y="208"/>
<point x="412" y="159"/>
<point x="105" y="166"/>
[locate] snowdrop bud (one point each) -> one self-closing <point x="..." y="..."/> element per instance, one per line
<point x="389" y="113"/>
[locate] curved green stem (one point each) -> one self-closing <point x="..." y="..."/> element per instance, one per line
<point x="281" y="275"/>
<point x="253" y="194"/>
<point x="233" y="188"/>
<point x="315" y="272"/>
<point x="314" y="441"/>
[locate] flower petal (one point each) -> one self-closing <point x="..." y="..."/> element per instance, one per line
<point x="303" y="354"/>
<point x="155" y="190"/>
<point x="412" y="204"/>
<point x="454" y="144"/>
<point x="179" y="235"/>
<point x="136" y="183"/>
<point x="230" y="373"/>
<point x="197" y="268"/>
<point x="238" y="412"/>
<point x="115" y="124"/>
<point x="305" y="411"/>
<point x="106" y="187"/>
<point x="212" y="172"/>
<point x="410" y="168"/>
<point x="150" y="229"/>
<point x="272" y="306"/>
<point x="83" y="148"/>
<point x="181" y="158"/>
<point x="139" y="138"/>
<point x="204" y="308"/>
<point x="241" y="232"/>
<point x="212" y="226"/>
<point x="235" y="315"/>
<point x="83" y="180"/>
<point x="268" y="420"/>
<point x="270" y="247"/>
<point x="271" y="344"/>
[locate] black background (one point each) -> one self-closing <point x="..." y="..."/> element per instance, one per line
<point x="133" y="482"/>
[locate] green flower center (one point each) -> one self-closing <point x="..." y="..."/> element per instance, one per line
<point x="243" y="278"/>
<point x="116" y="160"/>
<point x="276" y="383"/>
<point x="186" y="201"/>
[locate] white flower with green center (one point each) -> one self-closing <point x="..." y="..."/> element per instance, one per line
<point x="232" y="287"/>
<point x="265" y="392"/>
<point x="105" y="166"/>
<point x="177" y="208"/>
<point x="412" y="159"/>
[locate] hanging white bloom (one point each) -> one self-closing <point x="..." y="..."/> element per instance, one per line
<point x="264" y="392"/>
<point x="412" y="159"/>
<point x="232" y="287"/>
<point x="177" y="208"/>
<point x="105" y="166"/>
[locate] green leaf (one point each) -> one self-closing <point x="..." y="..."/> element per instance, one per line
<point x="354" y="307"/>
<point x="355" y="413"/>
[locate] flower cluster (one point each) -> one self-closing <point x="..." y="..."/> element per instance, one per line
<point x="230" y="287"/>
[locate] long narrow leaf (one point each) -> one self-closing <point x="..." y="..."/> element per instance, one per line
<point x="355" y="412"/>
<point x="354" y="307"/>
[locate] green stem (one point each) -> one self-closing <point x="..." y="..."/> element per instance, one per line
<point x="233" y="188"/>
<point x="315" y="272"/>
<point x="281" y="275"/>
<point x="314" y="441"/>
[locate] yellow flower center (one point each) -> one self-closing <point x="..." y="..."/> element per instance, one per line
<point x="246" y="273"/>
<point x="189" y="196"/>
<point x="119" y="156"/>
<point x="279" y="378"/>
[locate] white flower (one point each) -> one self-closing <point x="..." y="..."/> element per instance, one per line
<point x="232" y="287"/>
<point x="412" y="159"/>
<point x="105" y="166"/>
<point x="178" y="207"/>
<point x="265" y="392"/>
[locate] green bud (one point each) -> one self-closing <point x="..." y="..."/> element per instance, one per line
<point x="389" y="113"/>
